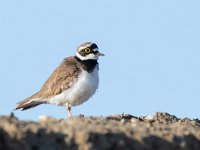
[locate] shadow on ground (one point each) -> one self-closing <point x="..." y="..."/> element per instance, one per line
<point x="110" y="141"/>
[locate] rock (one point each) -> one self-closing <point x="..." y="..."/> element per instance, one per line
<point x="159" y="132"/>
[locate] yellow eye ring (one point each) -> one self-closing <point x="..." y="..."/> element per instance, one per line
<point x="87" y="50"/>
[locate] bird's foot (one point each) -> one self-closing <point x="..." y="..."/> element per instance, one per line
<point x="68" y="107"/>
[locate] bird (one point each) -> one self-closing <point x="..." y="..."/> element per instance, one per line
<point x="72" y="83"/>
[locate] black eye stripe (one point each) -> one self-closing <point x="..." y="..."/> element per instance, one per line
<point x="95" y="52"/>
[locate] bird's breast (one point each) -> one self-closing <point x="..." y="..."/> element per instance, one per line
<point x="83" y="88"/>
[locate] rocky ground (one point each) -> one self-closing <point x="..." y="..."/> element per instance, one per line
<point x="117" y="132"/>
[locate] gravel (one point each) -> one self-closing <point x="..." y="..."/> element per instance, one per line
<point x="161" y="131"/>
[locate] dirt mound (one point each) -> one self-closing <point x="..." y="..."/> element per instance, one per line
<point x="118" y="132"/>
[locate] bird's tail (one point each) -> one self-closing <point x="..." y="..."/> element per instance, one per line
<point x="30" y="102"/>
<point x="27" y="103"/>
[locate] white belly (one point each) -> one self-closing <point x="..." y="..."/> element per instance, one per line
<point x="84" y="87"/>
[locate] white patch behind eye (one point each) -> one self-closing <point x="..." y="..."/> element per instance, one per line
<point x="87" y="57"/>
<point x="96" y="49"/>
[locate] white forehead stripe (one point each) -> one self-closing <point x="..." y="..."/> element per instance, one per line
<point x="96" y="49"/>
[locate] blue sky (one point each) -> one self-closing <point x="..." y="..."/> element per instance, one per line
<point x="152" y="53"/>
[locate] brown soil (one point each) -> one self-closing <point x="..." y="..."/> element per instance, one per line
<point x="117" y="132"/>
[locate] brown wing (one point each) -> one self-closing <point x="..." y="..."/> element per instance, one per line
<point x="61" y="79"/>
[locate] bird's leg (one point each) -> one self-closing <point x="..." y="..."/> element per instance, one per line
<point x="68" y="107"/>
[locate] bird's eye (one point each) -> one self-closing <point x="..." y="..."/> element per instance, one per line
<point x="88" y="50"/>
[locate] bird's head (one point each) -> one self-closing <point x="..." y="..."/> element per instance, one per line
<point x="88" y="51"/>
